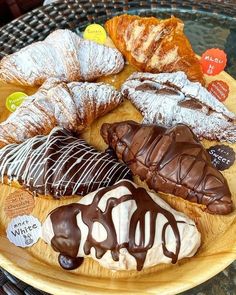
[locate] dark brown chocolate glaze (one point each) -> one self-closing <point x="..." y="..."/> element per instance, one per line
<point x="60" y="164"/>
<point x="222" y="156"/>
<point x="170" y="161"/>
<point x="70" y="263"/>
<point x="67" y="235"/>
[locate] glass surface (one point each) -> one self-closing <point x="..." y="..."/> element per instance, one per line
<point x="204" y="30"/>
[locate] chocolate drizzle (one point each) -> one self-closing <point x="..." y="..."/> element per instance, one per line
<point x="67" y="235"/>
<point x="170" y="160"/>
<point x="70" y="263"/>
<point x="60" y="164"/>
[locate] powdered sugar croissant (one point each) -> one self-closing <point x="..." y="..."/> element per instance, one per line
<point x="63" y="55"/>
<point x="73" y="106"/>
<point x="170" y="98"/>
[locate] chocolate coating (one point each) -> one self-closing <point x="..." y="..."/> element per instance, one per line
<point x="70" y="263"/>
<point x="60" y="164"/>
<point x="171" y="161"/>
<point x="67" y="235"/>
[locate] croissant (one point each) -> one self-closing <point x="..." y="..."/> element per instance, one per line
<point x="170" y="98"/>
<point x="123" y="227"/>
<point x="59" y="164"/>
<point x="153" y="45"/>
<point x="171" y="161"/>
<point x="73" y="106"/>
<point x="63" y="55"/>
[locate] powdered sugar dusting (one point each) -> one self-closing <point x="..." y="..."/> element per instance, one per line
<point x="170" y="98"/>
<point x="73" y="106"/>
<point x="63" y="55"/>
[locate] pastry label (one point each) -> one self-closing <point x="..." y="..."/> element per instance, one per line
<point x="219" y="89"/>
<point x="222" y="156"/>
<point x="14" y="100"/>
<point x="213" y="61"/>
<point x="24" y="231"/>
<point x="19" y="203"/>
<point x="96" y="33"/>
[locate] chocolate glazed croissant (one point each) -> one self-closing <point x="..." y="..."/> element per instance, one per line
<point x="73" y="106"/>
<point x="63" y="55"/>
<point x="171" y="161"/>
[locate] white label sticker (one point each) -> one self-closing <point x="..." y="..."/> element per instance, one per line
<point x="24" y="231"/>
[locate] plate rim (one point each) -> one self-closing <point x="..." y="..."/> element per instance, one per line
<point x="52" y="287"/>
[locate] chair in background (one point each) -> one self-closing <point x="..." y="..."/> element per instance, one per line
<point x="19" y="7"/>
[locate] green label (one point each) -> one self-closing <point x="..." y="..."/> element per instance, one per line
<point x="14" y="100"/>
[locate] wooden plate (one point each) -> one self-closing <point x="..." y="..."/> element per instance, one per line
<point x="38" y="265"/>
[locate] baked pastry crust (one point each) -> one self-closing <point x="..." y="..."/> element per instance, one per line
<point x="154" y="45"/>
<point x="73" y="106"/>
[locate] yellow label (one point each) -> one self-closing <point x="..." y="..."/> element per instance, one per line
<point x="14" y="100"/>
<point x="95" y="33"/>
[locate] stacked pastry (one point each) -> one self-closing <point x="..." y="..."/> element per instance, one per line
<point x="117" y="223"/>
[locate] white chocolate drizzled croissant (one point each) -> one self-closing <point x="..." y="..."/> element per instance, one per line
<point x="73" y="106"/>
<point x="63" y="55"/>
<point x="123" y="227"/>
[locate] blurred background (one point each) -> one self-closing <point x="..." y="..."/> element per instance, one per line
<point x="11" y="9"/>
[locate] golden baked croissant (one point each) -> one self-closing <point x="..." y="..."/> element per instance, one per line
<point x="63" y="55"/>
<point x="154" y="45"/>
<point x="73" y="106"/>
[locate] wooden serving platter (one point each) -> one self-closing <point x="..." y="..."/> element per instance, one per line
<point x="38" y="265"/>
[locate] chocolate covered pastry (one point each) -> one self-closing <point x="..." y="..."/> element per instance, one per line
<point x="63" y="55"/>
<point x="59" y="165"/>
<point x="155" y="45"/>
<point x="73" y="106"/>
<point x="123" y="227"/>
<point x="170" y="98"/>
<point x="170" y="161"/>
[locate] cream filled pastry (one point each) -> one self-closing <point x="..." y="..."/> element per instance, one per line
<point x="63" y="55"/>
<point x="59" y="164"/>
<point x="123" y="227"/>
<point x="170" y="98"/>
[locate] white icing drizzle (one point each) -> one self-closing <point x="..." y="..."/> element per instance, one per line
<point x="63" y="55"/>
<point x="159" y="97"/>
<point x="59" y="164"/>
<point x="73" y="106"/>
